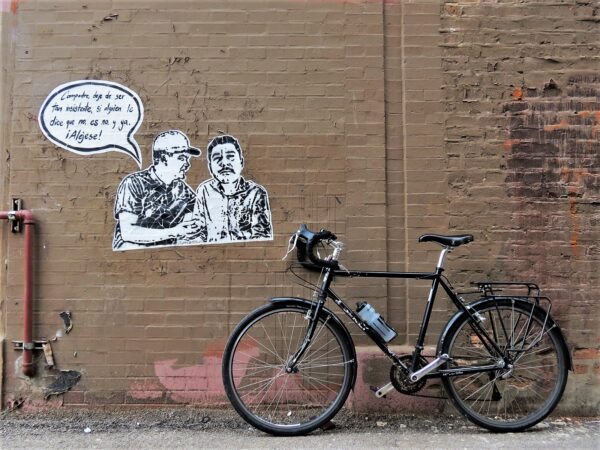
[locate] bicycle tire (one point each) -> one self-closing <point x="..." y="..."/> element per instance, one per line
<point x="510" y="399"/>
<point x="253" y="370"/>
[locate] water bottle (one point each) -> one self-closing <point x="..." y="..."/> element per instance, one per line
<point x="368" y="314"/>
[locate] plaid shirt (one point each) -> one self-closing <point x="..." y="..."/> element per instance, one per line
<point x="156" y="204"/>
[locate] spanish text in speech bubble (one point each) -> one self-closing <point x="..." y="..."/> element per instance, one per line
<point x="93" y="116"/>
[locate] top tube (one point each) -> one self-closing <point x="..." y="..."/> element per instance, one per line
<point x="382" y="274"/>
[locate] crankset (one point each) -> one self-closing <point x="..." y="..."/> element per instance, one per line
<point x="400" y="378"/>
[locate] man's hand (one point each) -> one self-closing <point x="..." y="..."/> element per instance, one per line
<point x="186" y="231"/>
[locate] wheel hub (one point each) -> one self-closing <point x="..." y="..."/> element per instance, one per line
<point x="509" y="370"/>
<point x="292" y="369"/>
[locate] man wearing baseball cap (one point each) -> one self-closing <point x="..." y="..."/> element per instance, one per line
<point x="153" y="207"/>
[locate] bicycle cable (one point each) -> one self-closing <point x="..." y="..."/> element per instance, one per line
<point x="300" y="281"/>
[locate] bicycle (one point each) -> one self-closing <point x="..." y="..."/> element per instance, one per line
<point x="289" y="365"/>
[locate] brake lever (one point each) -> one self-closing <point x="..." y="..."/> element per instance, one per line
<point x="337" y="250"/>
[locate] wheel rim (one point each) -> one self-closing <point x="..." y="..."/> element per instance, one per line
<point x="263" y="387"/>
<point x="527" y="388"/>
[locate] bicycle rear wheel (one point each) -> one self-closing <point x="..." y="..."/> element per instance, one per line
<point x="254" y="373"/>
<point x="529" y="387"/>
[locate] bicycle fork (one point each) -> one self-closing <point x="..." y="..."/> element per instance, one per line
<point x="292" y="365"/>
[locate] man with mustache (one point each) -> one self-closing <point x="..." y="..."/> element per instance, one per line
<point x="154" y="207"/>
<point x="228" y="207"/>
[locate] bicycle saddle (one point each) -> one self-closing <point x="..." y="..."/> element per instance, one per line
<point x="451" y="241"/>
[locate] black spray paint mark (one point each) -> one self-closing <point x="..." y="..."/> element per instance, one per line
<point x="66" y="317"/>
<point x="63" y="383"/>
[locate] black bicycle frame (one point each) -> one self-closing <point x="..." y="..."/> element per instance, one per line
<point x="437" y="280"/>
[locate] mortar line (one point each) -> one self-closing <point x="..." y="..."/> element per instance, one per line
<point x="404" y="161"/>
<point x="385" y="156"/>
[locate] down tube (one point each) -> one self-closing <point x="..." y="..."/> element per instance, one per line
<point x="366" y="329"/>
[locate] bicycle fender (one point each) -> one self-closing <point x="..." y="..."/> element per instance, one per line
<point x="481" y="303"/>
<point x="310" y="304"/>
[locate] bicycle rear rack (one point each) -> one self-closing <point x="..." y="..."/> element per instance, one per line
<point x="491" y="288"/>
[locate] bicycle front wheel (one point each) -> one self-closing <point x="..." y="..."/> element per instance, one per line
<point x="259" y="387"/>
<point x="529" y="387"/>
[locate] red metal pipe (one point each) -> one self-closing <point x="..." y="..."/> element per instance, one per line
<point x="27" y="366"/>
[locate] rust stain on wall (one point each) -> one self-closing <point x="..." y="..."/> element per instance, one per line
<point x="553" y="182"/>
<point x="554" y="153"/>
<point x="518" y="94"/>
<point x="574" y="179"/>
<point x="508" y="144"/>
<point x="559" y="126"/>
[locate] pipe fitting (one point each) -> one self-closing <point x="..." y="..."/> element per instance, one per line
<point x="27" y="365"/>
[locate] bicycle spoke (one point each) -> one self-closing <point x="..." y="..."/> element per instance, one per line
<point x="470" y="383"/>
<point x="271" y="342"/>
<point x="289" y="349"/>
<point x="319" y="358"/>
<point x="343" y="363"/>
<point x="258" y="363"/>
<point x="312" y="350"/>
<point x="502" y="325"/>
<point x="264" y="380"/>
<point x="262" y="388"/>
<point x="267" y="349"/>
<point x="280" y="395"/>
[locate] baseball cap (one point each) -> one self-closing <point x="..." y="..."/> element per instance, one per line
<point x="174" y="141"/>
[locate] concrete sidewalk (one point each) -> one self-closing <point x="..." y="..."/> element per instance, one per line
<point x="222" y="429"/>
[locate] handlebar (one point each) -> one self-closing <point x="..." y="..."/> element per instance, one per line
<point x="306" y="242"/>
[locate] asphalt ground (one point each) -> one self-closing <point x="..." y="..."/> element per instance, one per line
<point x="175" y="428"/>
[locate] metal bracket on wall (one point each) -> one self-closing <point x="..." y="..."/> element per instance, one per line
<point x="16" y="225"/>
<point x="35" y="345"/>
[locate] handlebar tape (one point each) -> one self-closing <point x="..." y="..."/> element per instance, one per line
<point x="314" y="240"/>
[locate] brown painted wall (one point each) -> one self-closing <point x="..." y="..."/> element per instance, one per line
<point x="522" y="92"/>
<point x="378" y="119"/>
<point x="300" y="84"/>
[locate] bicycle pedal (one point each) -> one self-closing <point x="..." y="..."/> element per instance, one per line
<point x="382" y="391"/>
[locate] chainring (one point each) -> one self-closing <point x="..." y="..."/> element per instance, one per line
<point x="400" y="380"/>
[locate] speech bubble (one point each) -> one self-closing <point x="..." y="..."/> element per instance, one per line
<point x="93" y="116"/>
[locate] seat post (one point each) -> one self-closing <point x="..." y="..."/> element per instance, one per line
<point x="444" y="252"/>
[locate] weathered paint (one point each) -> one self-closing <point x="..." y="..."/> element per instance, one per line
<point x="150" y="390"/>
<point x="201" y="382"/>
<point x="9" y="5"/>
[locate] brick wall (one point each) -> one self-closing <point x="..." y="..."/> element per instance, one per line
<point x="522" y="97"/>
<point x="299" y="83"/>
<point x="416" y="176"/>
<point x="377" y="119"/>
